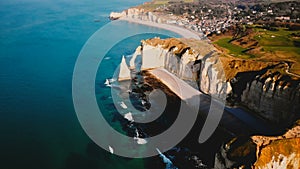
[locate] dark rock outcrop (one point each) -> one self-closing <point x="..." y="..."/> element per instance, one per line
<point x="262" y="152"/>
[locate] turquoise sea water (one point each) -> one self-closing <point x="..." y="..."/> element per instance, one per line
<point x="39" y="43"/>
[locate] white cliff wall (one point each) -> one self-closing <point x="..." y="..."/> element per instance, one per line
<point x="153" y="57"/>
<point x="188" y="69"/>
<point x="156" y="56"/>
<point x="171" y="63"/>
<point x="212" y="79"/>
<point x="117" y="15"/>
<point x="274" y="100"/>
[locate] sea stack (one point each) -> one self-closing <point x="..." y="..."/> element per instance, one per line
<point x="124" y="71"/>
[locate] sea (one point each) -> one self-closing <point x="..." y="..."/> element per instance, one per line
<point x="40" y="41"/>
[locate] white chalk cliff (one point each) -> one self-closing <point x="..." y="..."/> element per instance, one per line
<point x="187" y="64"/>
<point x="117" y="15"/>
<point x="273" y="96"/>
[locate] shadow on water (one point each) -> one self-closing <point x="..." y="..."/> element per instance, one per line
<point x="78" y="161"/>
<point x="90" y="160"/>
<point x="95" y="158"/>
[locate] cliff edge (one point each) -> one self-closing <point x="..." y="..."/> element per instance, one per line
<point x="262" y="152"/>
<point x="263" y="87"/>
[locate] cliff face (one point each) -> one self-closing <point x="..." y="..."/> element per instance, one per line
<point x="275" y="95"/>
<point x="266" y="88"/>
<point x="171" y="54"/>
<point x="278" y="152"/>
<point x="136" y="13"/>
<point x="213" y="78"/>
<point x="262" y="86"/>
<point x="187" y="63"/>
<point x="262" y="152"/>
<point x="116" y="15"/>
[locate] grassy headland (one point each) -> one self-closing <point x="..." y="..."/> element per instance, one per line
<point x="247" y="31"/>
<point x="257" y="42"/>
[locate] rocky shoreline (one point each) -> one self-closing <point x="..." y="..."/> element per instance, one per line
<point x="222" y="150"/>
<point x="175" y="56"/>
<point x="188" y="153"/>
<point x="262" y="87"/>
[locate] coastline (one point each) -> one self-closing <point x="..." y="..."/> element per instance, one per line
<point x="236" y="122"/>
<point x="185" y="33"/>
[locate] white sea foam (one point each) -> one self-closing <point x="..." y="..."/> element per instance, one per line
<point x="112" y="80"/>
<point x="123" y="105"/>
<point x="128" y="116"/>
<point x="111" y="150"/>
<point x="166" y="160"/>
<point x="139" y="140"/>
<point x="143" y="102"/>
<point x="107" y="83"/>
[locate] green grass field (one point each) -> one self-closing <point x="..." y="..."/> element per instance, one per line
<point x="233" y="50"/>
<point x="281" y="40"/>
<point x="274" y="45"/>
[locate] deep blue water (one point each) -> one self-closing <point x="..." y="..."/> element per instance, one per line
<point x="39" y="43"/>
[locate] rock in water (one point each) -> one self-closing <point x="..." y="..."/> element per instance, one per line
<point x="124" y="71"/>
